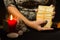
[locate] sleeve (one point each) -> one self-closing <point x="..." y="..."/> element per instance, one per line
<point x="8" y="2"/>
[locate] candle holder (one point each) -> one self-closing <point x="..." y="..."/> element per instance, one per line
<point x="10" y="27"/>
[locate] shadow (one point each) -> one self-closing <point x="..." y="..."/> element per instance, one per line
<point x="3" y="11"/>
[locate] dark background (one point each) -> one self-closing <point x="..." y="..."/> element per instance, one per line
<point x="3" y="11"/>
<point x="34" y="35"/>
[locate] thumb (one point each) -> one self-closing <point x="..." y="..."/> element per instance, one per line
<point x="40" y="21"/>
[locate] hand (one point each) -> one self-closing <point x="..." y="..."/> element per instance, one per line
<point x="36" y="25"/>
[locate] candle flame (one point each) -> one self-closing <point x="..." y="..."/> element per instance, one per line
<point x="11" y="17"/>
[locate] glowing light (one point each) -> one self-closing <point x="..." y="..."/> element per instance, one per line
<point x="11" y="21"/>
<point x="11" y="17"/>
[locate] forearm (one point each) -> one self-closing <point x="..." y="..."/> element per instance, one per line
<point x="14" y="11"/>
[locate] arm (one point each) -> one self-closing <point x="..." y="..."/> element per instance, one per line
<point x="32" y="24"/>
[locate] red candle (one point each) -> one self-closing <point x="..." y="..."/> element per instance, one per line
<point x="12" y="24"/>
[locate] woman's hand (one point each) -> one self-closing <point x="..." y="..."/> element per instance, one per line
<point x="36" y="25"/>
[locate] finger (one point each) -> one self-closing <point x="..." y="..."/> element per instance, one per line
<point x="53" y="13"/>
<point x="47" y="28"/>
<point x="40" y="21"/>
<point x="53" y="17"/>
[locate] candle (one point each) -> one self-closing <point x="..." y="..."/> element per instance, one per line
<point x="12" y="23"/>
